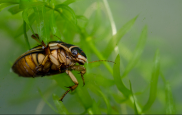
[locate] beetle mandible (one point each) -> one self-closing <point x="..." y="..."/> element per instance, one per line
<point x="54" y="58"/>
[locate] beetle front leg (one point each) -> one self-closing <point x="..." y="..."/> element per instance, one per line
<point x="73" y="78"/>
<point x="81" y="69"/>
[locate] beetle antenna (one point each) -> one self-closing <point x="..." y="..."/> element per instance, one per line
<point x="102" y="60"/>
<point x="36" y="37"/>
<point x="58" y="37"/>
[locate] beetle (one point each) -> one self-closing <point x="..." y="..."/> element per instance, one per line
<point x="54" y="58"/>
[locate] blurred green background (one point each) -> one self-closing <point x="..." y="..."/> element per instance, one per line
<point x="158" y="22"/>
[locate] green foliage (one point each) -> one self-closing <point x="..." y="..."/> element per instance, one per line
<point x="135" y="106"/>
<point x="106" y="90"/>
<point x="60" y="106"/>
<point x="170" y="106"/>
<point x="137" y="53"/>
<point x="117" y="78"/>
<point x="154" y="81"/>
<point x="117" y="37"/>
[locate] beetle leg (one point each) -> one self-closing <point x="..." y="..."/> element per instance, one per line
<point x="81" y="69"/>
<point x="42" y="64"/>
<point x="64" y="47"/>
<point x="54" y="60"/>
<point x="73" y="78"/>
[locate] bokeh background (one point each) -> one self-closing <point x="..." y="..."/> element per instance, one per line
<point x="163" y="19"/>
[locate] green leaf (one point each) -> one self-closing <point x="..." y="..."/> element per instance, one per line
<point x="98" y="92"/>
<point x="103" y="81"/>
<point x="170" y="106"/>
<point x="138" y="51"/>
<point x="81" y="17"/>
<point x="53" y="25"/>
<point x="67" y="13"/>
<point x="20" y="31"/>
<point x="135" y="106"/>
<point x="84" y="96"/>
<point x="4" y="5"/>
<point x="28" y="4"/>
<point x="117" y="37"/>
<point x="95" y="108"/>
<point x="14" y="10"/>
<point x="46" y="101"/>
<point x="43" y="23"/>
<point x="67" y="2"/>
<point x="25" y="18"/>
<point x="10" y="1"/>
<point x="154" y="81"/>
<point x="59" y="104"/>
<point x="25" y="34"/>
<point x="117" y="78"/>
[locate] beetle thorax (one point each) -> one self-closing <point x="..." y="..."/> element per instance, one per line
<point x="62" y="57"/>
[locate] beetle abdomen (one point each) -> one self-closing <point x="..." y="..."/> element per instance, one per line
<point x="27" y="65"/>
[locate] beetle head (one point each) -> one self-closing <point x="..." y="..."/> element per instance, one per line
<point x="79" y="55"/>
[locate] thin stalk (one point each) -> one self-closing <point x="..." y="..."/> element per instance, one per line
<point x="113" y="26"/>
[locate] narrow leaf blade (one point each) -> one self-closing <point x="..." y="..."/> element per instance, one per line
<point x="46" y="101"/>
<point x="170" y="106"/>
<point x="154" y="81"/>
<point x="137" y="53"/>
<point x="95" y="108"/>
<point x="84" y="97"/>
<point x="135" y="106"/>
<point x="59" y="104"/>
<point x="117" y="78"/>
<point x="97" y="91"/>
<point x="117" y="37"/>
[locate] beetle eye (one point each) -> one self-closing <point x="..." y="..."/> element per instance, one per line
<point x="74" y="51"/>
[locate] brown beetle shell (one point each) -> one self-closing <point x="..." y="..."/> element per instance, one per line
<point x="26" y="66"/>
<point x="55" y="58"/>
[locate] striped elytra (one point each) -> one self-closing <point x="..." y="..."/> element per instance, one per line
<point x="26" y="65"/>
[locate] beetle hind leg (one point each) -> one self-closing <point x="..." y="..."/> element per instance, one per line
<point x="71" y="88"/>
